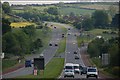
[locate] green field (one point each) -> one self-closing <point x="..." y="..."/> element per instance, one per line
<point x="66" y="11"/>
<point x="99" y="32"/>
<point x="18" y="11"/>
<point x="52" y="70"/>
<point x="20" y="24"/>
<point x="93" y="33"/>
<point x="41" y="8"/>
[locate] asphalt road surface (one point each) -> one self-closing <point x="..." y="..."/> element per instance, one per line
<point x="48" y="54"/>
<point x="71" y="46"/>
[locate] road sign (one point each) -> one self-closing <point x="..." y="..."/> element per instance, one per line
<point x="105" y="59"/>
<point x="2" y="55"/>
<point x="39" y="63"/>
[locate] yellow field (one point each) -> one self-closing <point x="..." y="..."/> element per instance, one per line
<point x="20" y="24"/>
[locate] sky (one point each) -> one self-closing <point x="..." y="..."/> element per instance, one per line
<point x="23" y="2"/>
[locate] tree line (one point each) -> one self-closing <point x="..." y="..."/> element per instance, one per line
<point x="99" y="46"/>
<point x="19" y="42"/>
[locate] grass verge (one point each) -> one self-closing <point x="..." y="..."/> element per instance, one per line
<point x="8" y="63"/>
<point x="52" y="70"/>
<point x="62" y="47"/>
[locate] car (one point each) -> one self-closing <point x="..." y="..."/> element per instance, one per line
<point x="76" y="68"/>
<point x="75" y="52"/>
<point x="83" y="70"/>
<point x="76" y="57"/>
<point x="56" y="44"/>
<point x="62" y="36"/>
<point x="69" y="70"/>
<point x="50" y="44"/>
<point x="69" y="73"/>
<point x="28" y="63"/>
<point x="68" y="33"/>
<point x="68" y="28"/>
<point x="55" y="27"/>
<point x="92" y="72"/>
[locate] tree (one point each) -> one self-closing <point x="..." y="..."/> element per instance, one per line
<point x="30" y="30"/>
<point x="24" y="41"/>
<point x="52" y="10"/>
<point x="6" y="7"/>
<point x="112" y="10"/>
<point x="10" y="44"/>
<point x="115" y="20"/>
<point x="101" y="18"/>
<point x="114" y="55"/>
<point x="60" y="4"/>
<point x="93" y="50"/>
<point x="95" y="47"/>
<point x="72" y="14"/>
<point x="87" y="24"/>
<point x="5" y="26"/>
<point x="37" y="43"/>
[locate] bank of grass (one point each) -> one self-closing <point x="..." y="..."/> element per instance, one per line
<point x="8" y="63"/>
<point x="83" y="39"/>
<point x="52" y="70"/>
<point x="45" y="37"/>
<point x="20" y="24"/>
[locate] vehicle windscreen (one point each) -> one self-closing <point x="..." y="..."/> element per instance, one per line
<point x="68" y="67"/>
<point x="68" y="70"/>
<point x="76" y="67"/>
<point x="91" y="70"/>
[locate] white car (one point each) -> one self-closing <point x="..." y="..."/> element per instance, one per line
<point x="92" y="72"/>
<point x="68" y="73"/>
<point x="69" y="70"/>
<point x="76" y="68"/>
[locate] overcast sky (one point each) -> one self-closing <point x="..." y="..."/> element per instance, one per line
<point x="23" y="2"/>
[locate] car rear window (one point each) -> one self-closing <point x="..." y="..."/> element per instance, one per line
<point x="91" y="70"/>
<point x="76" y="67"/>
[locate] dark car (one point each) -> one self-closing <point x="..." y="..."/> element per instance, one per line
<point x="28" y="63"/>
<point x="75" y="52"/>
<point x="76" y="57"/>
<point x="84" y="70"/>
<point x="50" y="44"/>
<point x="55" y="27"/>
<point x="68" y="28"/>
<point x="68" y="33"/>
<point x="62" y="36"/>
<point x="56" y="44"/>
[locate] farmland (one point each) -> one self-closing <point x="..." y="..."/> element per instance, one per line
<point x="65" y="11"/>
<point x="21" y="24"/>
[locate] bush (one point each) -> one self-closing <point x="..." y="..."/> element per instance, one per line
<point x="105" y="32"/>
<point x="116" y="70"/>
